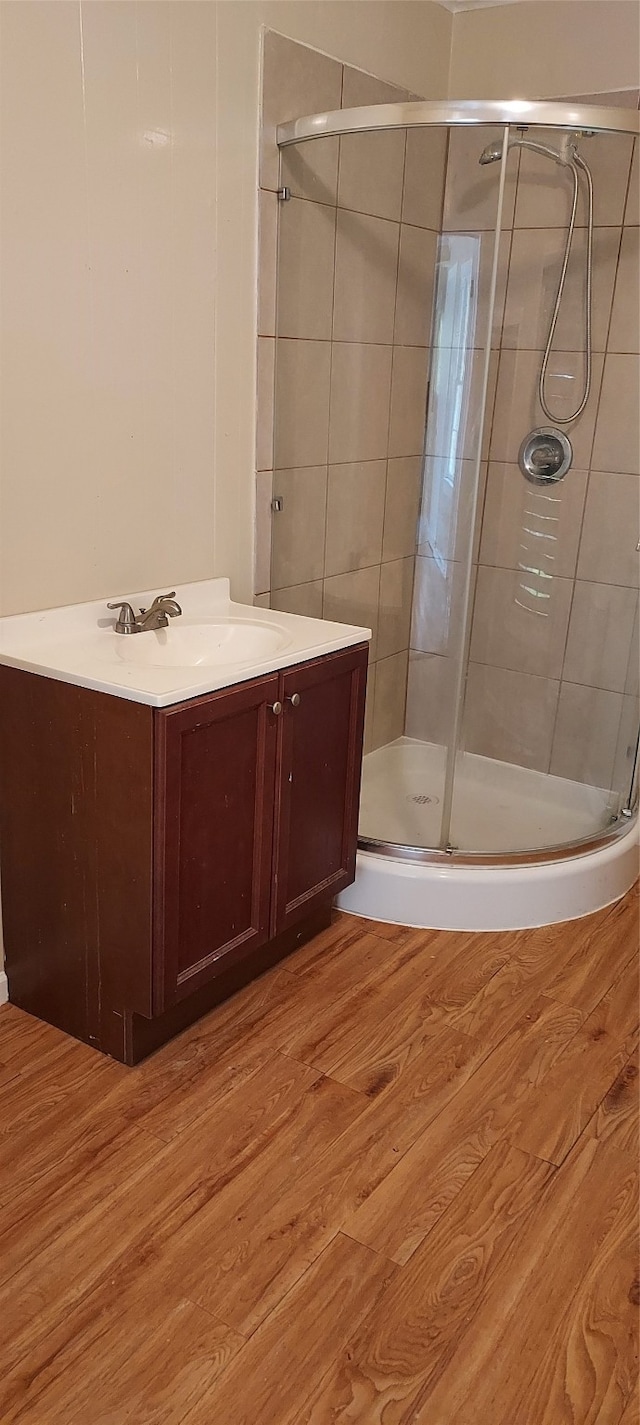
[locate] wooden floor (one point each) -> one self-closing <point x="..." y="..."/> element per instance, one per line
<point x="393" y="1181"/>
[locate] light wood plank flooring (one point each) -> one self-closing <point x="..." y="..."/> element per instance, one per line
<point x="393" y="1181"/>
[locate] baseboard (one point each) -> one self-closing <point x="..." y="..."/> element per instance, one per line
<point x="4" y="988"/>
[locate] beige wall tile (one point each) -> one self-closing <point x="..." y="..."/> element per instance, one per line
<point x="424" y="172"/>
<point x="360" y="390"/>
<point x="311" y="170"/>
<point x="632" y="680"/>
<point x="408" y="400"/>
<point x="361" y="88"/>
<point x="262" y="601"/>
<point x="267" y="262"/>
<point x="264" y="490"/>
<point x="625" y="318"/>
<point x="632" y="210"/>
<point x="617" y="439"/>
<point x="390" y="699"/>
<point x="429" y="698"/>
<point x="510" y="716"/>
<point x="520" y="621"/>
<point x="402" y="506"/>
<point x="368" y="709"/>
<point x="304" y="599"/>
<point x="297" y="80"/>
<point x="305" y="269"/>
<point x="437" y="606"/>
<point x="353" y="598"/>
<point x="303" y="372"/>
<point x="416" y="278"/>
<point x="355" y="516"/>
<point x="371" y="165"/>
<point x="471" y="191"/>
<point x="298" y="530"/>
<point x="488" y="413"/>
<point x="532" y="526"/>
<point x="365" y="278"/>
<point x="265" y="402"/>
<point x="485" y="270"/>
<point x="534" y="274"/>
<point x="447" y="507"/>
<point x="626" y="745"/>
<point x="394" y="615"/>
<point x="545" y="190"/>
<point x="586" y="735"/>
<point x="608" y="553"/>
<point x="517" y="409"/>
<point x="600" y="633"/>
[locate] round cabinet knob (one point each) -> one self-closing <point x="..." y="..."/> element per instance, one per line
<point x="276" y="709"/>
<point x="295" y="700"/>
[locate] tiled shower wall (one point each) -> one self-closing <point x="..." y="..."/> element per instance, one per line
<point x="555" y="690"/>
<point x="346" y="350"/>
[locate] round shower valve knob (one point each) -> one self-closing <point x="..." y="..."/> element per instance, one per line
<point x="545" y="455"/>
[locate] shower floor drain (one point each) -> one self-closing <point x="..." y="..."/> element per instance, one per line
<point x="423" y="800"/>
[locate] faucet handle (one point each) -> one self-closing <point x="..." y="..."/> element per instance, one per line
<point x="125" y="622"/>
<point x="159" y="602"/>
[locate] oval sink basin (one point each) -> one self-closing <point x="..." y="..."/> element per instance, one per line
<point x="215" y="643"/>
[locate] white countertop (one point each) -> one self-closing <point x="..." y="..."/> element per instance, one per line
<point x="77" y="644"/>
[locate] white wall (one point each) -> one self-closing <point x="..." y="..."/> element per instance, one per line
<point x="129" y="156"/>
<point x="545" y="49"/>
<point x="108" y="174"/>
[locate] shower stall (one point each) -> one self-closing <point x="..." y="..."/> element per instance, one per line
<point x="456" y="450"/>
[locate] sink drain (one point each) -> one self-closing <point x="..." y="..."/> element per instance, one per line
<point x="422" y="800"/>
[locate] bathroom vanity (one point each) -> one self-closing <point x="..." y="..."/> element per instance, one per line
<point x="170" y="829"/>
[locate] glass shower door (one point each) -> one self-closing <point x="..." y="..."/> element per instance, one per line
<point x="465" y="333"/>
<point x="502" y="701"/>
<point x="550" y="719"/>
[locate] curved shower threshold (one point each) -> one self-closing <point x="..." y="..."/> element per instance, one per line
<point x="502" y="807"/>
<point x="451" y="897"/>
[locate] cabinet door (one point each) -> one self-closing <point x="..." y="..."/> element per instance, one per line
<point x="318" y="783"/>
<point x="215" y="789"/>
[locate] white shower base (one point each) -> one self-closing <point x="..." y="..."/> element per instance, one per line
<point x="498" y="808"/>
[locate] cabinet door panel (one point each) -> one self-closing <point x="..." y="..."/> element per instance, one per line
<point x="318" y="783"/>
<point x="215" y="775"/>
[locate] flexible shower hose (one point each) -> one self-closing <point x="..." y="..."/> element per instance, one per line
<point x="577" y="162"/>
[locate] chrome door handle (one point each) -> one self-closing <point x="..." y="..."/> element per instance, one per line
<point x="294" y="699"/>
<point x="275" y="708"/>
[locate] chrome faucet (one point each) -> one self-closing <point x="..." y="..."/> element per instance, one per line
<point x="157" y="616"/>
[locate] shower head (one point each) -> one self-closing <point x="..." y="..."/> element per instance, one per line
<point x="493" y="152"/>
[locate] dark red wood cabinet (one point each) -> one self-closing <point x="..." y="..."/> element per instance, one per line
<point x="318" y="785"/>
<point x="155" y="859"/>
<point x="215" y="766"/>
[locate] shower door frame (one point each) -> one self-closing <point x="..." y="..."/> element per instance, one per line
<point x="519" y="114"/>
<point x="427" y="113"/>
